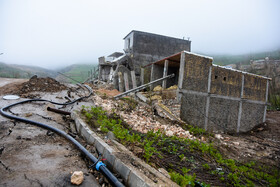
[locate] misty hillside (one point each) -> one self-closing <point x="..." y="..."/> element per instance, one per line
<point x="245" y="58"/>
<point x="78" y="72"/>
<point x="22" y="71"/>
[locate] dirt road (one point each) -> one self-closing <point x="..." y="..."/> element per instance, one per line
<point x="31" y="156"/>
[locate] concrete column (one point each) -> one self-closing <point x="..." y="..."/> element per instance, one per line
<point x="240" y="106"/>
<point x="111" y="74"/>
<point x="103" y="74"/>
<point x="165" y="72"/>
<point x="208" y="99"/>
<point x="121" y="84"/>
<point x="142" y="76"/>
<point x="266" y="99"/>
<point x="99" y="72"/>
<point x="181" y="76"/>
<point x="133" y="78"/>
<point x="126" y="82"/>
<point x="152" y="77"/>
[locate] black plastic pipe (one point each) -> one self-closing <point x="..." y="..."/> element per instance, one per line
<point x="99" y="165"/>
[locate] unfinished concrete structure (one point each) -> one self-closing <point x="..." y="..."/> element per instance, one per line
<point x="141" y="49"/>
<point x="213" y="97"/>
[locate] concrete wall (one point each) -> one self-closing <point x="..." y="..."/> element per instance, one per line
<point x="196" y="73"/>
<point x="105" y="72"/>
<point x="157" y="73"/>
<point x="158" y="45"/>
<point x="148" y="48"/>
<point x="215" y="98"/>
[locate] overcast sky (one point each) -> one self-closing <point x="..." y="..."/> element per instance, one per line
<point x="53" y="33"/>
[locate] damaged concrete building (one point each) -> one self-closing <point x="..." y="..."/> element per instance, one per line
<point x="211" y="97"/>
<point x="214" y="97"/>
<point x="140" y="49"/>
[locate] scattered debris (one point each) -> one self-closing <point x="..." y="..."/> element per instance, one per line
<point x="28" y="114"/>
<point x="77" y="177"/>
<point x="174" y="87"/>
<point x="157" y="88"/>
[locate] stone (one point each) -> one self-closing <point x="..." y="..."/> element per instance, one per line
<point x="111" y="135"/>
<point x="169" y="133"/>
<point x="218" y="136"/>
<point x="77" y="177"/>
<point x="236" y="143"/>
<point x="28" y="114"/>
<point x="157" y="88"/>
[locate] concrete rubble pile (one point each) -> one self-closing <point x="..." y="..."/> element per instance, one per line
<point x="141" y="118"/>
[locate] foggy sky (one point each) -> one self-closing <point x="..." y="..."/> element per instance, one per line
<point x="55" y="33"/>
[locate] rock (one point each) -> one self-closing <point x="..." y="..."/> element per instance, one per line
<point x="18" y="137"/>
<point x="77" y="177"/>
<point x="169" y="133"/>
<point x="28" y="114"/>
<point x="157" y="88"/>
<point x="218" y="136"/>
<point x="236" y="143"/>
<point x="203" y="138"/>
<point x="33" y="77"/>
<point x="156" y="97"/>
<point x="111" y="135"/>
<point x="50" y="133"/>
<point x="174" y="87"/>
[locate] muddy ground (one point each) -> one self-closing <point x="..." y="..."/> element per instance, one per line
<point x="31" y="156"/>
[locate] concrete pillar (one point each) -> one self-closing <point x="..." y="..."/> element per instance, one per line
<point x="126" y="82"/>
<point x="142" y="76"/>
<point x="133" y="78"/>
<point x="208" y="99"/>
<point x="111" y="74"/>
<point x="99" y="72"/>
<point x="121" y="84"/>
<point x="240" y="105"/>
<point x="165" y="72"/>
<point x="181" y="76"/>
<point x="266" y="99"/>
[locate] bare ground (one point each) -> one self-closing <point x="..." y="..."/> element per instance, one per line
<point x="31" y="156"/>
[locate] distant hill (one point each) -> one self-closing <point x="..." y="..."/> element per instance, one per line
<point x="243" y="59"/>
<point x="78" y="72"/>
<point x="22" y="71"/>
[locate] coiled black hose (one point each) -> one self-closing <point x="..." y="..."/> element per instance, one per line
<point x="99" y="165"/>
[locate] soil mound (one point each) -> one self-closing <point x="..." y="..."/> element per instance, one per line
<point x="35" y="84"/>
<point x="41" y="84"/>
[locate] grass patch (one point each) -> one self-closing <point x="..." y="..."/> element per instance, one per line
<point x="188" y="161"/>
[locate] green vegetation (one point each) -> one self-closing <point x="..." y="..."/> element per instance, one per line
<point x="78" y="72"/>
<point x="274" y="101"/>
<point x="182" y="157"/>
